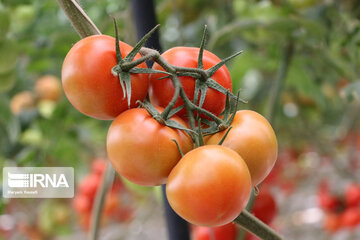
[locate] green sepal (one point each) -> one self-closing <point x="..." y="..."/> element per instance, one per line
<point x="200" y="87"/>
<point x="157" y="116"/>
<point x="126" y="78"/>
<point x="225" y="135"/>
<point x="227" y="109"/>
<point x="175" y="111"/>
<point x="201" y="50"/>
<point x="200" y="135"/>
<point x="117" y="44"/>
<point x="215" y="85"/>
<point x="233" y="111"/>
<point x="178" y="147"/>
<point x="150" y="108"/>
<point x="213" y="69"/>
<point x="139" y="45"/>
<point x="174" y="124"/>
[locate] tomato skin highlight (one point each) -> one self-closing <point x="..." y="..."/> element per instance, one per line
<point x="209" y="186"/>
<point x="141" y="149"/>
<point x="162" y="90"/>
<point x="253" y="138"/>
<point x="89" y="84"/>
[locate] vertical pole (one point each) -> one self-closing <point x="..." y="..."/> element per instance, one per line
<point x="145" y="20"/>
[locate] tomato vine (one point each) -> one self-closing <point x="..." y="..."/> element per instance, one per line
<point x="126" y="66"/>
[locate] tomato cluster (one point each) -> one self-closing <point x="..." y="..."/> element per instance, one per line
<point x="114" y="208"/>
<point x="341" y="212"/>
<point x="210" y="185"/>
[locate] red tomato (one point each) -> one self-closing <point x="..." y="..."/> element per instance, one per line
<point x="89" y="185"/>
<point x="162" y="91"/>
<point x="98" y="166"/>
<point x="89" y="84"/>
<point x="225" y="232"/>
<point x="265" y="206"/>
<point x="210" y="186"/>
<point x="352" y="195"/>
<point x="82" y="204"/>
<point x="327" y="201"/>
<point x="141" y="149"/>
<point x="112" y="202"/>
<point x="332" y="222"/>
<point x="350" y="217"/>
<point x="253" y="138"/>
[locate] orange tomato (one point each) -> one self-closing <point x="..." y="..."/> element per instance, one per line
<point x="253" y="138"/>
<point x="141" y="149"/>
<point x="210" y="186"/>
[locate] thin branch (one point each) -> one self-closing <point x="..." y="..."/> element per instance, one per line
<point x="78" y="18"/>
<point x="252" y="224"/>
<point x="107" y="180"/>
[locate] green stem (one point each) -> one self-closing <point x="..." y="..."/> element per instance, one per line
<point x="272" y="103"/>
<point x="279" y="81"/>
<point x="252" y="224"/>
<point x="168" y="108"/>
<point x="78" y="18"/>
<point x="128" y="65"/>
<point x="106" y="182"/>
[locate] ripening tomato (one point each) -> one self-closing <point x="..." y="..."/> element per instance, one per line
<point x="265" y="206"/>
<point x="350" y="217"/>
<point x="162" y="90"/>
<point x="352" y="195"/>
<point x="98" y="166"/>
<point x="141" y="149"/>
<point x="22" y="101"/>
<point x="332" y="222"/>
<point x="89" y="84"/>
<point x="89" y="185"/>
<point x="225" y="232"/>
<point x="327" y="201"/>
<point x="253" y="138"/>
<point x="82" y="204"/>
<point x="209" y="186"/>
<point x="48" y="87"/>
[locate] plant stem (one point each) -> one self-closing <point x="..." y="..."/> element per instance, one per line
<point x="279" y="81"/>
<point x="252" y="224"/>
<point x="106" y="182"/>
<point x="78" y="18"/>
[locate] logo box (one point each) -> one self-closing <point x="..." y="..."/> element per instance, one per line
<point x="38" y="182"/>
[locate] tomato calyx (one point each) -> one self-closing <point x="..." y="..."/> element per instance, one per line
<point x="126" y="66"/>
